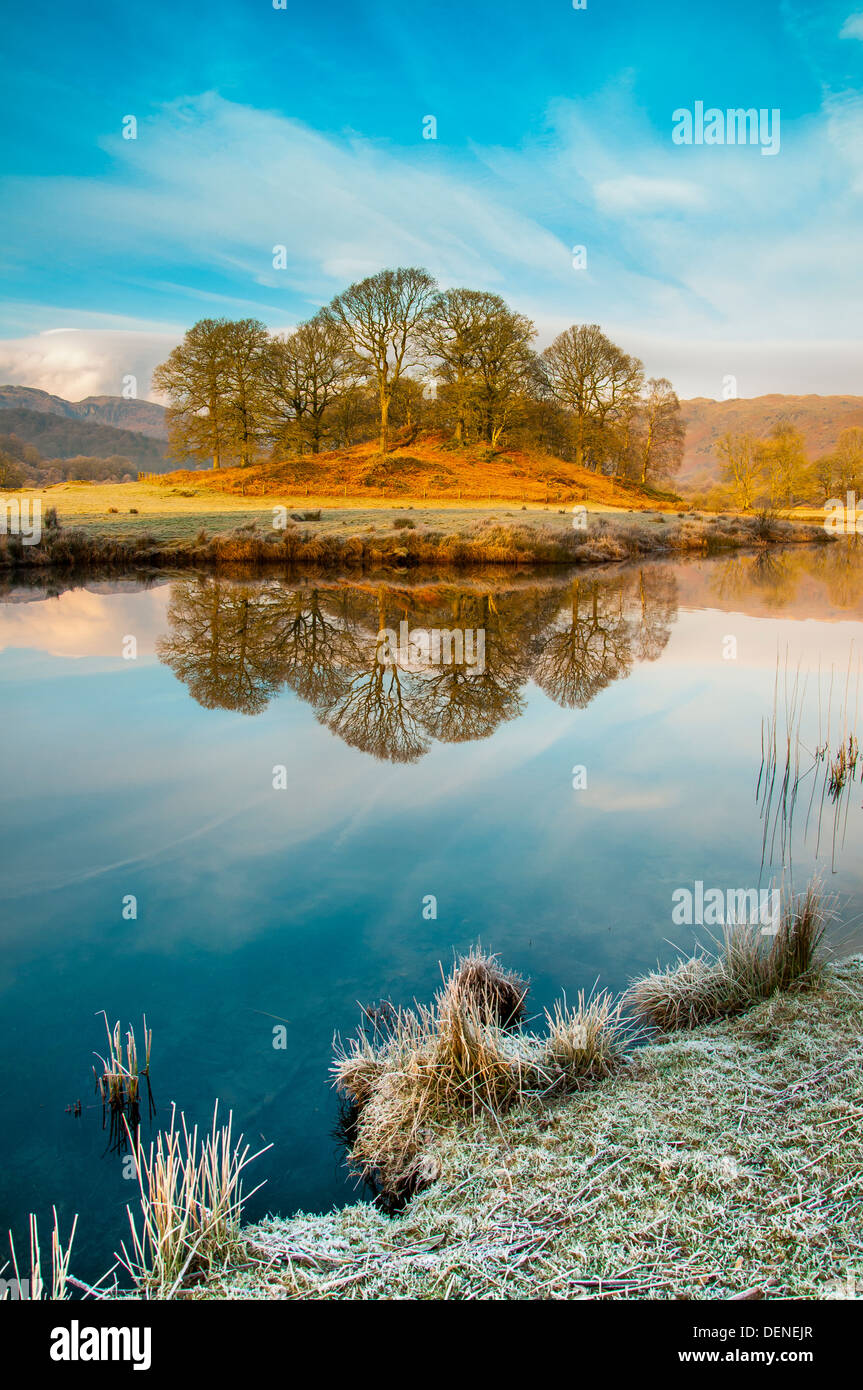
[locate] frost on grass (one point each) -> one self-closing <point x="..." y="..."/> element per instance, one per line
<point x="723" y="1160"/>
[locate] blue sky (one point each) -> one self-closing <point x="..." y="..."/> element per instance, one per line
<point x="302" y="127"/>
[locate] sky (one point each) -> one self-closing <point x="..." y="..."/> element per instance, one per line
<point x="727" y="268"/>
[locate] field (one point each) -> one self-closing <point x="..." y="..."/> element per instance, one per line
<point x="175" y="513"/>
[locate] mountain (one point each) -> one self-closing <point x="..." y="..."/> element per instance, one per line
<point x="820" y="418"/>
<point x="137" y="417"/>
<point x="61" y="436"/>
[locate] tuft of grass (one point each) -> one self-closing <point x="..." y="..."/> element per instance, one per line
<point x="191" y="1204"/>
<point x="119" y="1085"/>
<point x="585" y="1044"/>
<point x="747" y="968"/>
<point x="481" y="982"/>
<point x="33" y="1286"/>
<point x="464" y="1054"/>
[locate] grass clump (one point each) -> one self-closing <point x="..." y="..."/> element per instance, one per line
<point x="464" y="1054"/>
<point x="32" y="1285"/>
<point x="191" y="1203"/>
<point x="119" y="1084"/>
<point x="747" y="967"/>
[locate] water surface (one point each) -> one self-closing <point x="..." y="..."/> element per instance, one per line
<point x="153" y="776"/>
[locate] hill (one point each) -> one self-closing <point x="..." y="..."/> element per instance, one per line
<point x="63" y="437"/>
<point x="138" y="417"/>
<point x="428" y="467"/>
<point x="820" y="418"/>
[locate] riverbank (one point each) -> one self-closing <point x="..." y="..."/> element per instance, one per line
<point x="724" y="1162"/>
<point x="81" y="530"/>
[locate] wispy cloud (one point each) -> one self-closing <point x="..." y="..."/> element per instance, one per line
<point x="708" y="257"/>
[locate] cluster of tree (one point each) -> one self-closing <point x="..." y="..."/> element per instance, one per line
<point x="775" y="471"/>
<point x="395" y="351"/>
<point x="22" y="465"/>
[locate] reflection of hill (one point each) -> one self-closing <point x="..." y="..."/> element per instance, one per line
<point x="820" y="418"/>
<point x="235" y="645"/>
<point x="824" y="583"/>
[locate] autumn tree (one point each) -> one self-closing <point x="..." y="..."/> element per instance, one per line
<point x="383" y="317"/>
<point x="11" y="472"/>
<point x="480" y="352"/>
<point x="849" y="459"/>
<point x="785" y="463"/>
<point x="596" y="381"/>
<point x="504" y="370"/>
<point x="195" y="380"/>
<point x="660" y="432"/>
<point x="247" y="347"/>
<point x="741" y="464"/>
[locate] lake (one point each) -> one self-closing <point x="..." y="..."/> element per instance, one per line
<point x="303" y="825"/>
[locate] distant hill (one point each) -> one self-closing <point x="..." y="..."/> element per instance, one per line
<point x="62" y="436"/>
<point x="136" y="417"/>
<point x="820" y="418"/>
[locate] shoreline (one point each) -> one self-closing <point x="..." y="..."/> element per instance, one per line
<point x="712" y="1167"/>
<point x="314" y="541"/>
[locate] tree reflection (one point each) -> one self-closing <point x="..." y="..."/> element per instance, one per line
<point x="236" y="645"/>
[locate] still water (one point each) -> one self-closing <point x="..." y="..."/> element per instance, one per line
<point x="283" y="807"/>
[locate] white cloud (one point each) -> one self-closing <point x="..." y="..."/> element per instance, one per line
<point x="645" y="195"/>
<point x="853" y="27"/>
<point x="75" y="363"/>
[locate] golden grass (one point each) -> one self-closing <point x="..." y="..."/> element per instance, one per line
<point x="426" y="468"/>
<point x="191" y="1203"/>
<point x="747" y="967"/>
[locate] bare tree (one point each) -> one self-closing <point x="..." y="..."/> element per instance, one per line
<point x="741" y="466"/>
<point x="194" y="378"/>
<point x="660" y="432"/>
<point x="593" y="378"/>
<point x="384" y="316"/>
<point x="307" y="371"/>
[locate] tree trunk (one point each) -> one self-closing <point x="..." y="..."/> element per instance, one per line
<point x="385" y="415"/>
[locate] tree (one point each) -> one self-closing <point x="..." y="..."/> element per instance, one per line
<point x="247" y="346"/>
<point x="741" y="466"/>
<point x="594" y="379"/>
<point x="504" y="369"/>
<point x="384" y="316"/>
<point x="11" y="472"/>
<point x="306" y="373"/>
<point x="660" y="432"/>
<point x="849" y="459"/>
<point x="785" y="463"/>
<point x="480" y="350"/>
<point x="195" y="380"/>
